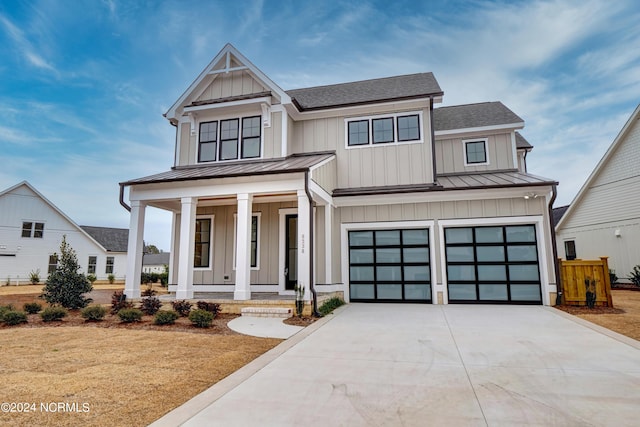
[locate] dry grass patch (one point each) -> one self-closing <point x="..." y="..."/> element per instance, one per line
<point x="623" y="318"/>
<point x="127" y="377"/>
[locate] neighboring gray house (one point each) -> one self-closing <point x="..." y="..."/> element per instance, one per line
<point x="31" y="230"/>
<point x="604" y="217"/>
<point x="362" y="187"/>
<point x="155" y="263"/>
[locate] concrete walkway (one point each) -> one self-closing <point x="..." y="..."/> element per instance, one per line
<point x="265" y="327"/>
<point x="420" y="365"/>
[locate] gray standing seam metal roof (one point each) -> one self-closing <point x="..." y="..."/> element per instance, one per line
<point x="112" y="239"/>
<point x="290" y="164"/>
<point x="473" y="115"/>
<point x="366" y="91"/>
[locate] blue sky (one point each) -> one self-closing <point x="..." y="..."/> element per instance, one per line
<point x="84" y="84"/>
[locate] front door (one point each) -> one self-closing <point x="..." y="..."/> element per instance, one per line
<point x="291" y="252"/>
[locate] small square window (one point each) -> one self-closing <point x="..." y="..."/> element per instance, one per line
<point x="382" y="130"/>
<point x="359" y="132"/>
<point x="475" y="152"/>
<point x="408" y="128"/>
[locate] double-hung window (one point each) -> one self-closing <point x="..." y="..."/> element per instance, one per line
<point x="203" y="240"/>
<point x="109" y="267"/>
<point x="53" y="263"/>
<point x="208" y="142"/>
<point x="475" y="152"/>
<point x="230" y="139"/>
<point x="384" y="129"/>
<point x="91" y="268"/>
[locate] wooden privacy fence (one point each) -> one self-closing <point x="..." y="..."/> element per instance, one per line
<point x="579" y="276"/>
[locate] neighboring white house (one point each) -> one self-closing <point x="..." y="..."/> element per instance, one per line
<point x="31" y="230"/>
<point x="361" y="187"/>
<point x="604" y="217"/>
<point x="155" y="263"/>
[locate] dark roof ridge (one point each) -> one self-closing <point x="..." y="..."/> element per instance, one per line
<point x="468" y="105"/>
<point x="358" y="81"/>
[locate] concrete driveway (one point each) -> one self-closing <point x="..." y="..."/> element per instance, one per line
<point x="429" y="365"/>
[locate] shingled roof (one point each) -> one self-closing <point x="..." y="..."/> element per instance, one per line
<point x="522" y="143"/>
<point x="395" y="88"/>
<point x="112" y="239"/>
<point x="473" y="116"/>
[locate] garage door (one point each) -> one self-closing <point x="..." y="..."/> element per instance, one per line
<point x="389" y="265"/>
<point x="493" y="265"/>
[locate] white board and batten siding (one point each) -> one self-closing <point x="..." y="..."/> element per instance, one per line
<point x="450" y="154"/>
<point x="19" y="256"/>
<point x="605" y="220"/>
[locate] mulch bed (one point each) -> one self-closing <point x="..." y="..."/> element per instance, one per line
<point x="300" y="321"/>
<point x="577" y="310"/>
<point x="218" y="326"/>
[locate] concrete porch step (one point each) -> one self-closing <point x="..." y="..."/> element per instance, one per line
<point x="282" y="312"/>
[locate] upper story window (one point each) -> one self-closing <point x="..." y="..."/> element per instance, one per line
<point x="475" y="152"/>
<point x="33" y="229"/>
<point x="230" y="139"/>
<point x="384" y="129"/>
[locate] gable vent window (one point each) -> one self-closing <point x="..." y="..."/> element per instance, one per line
<point x="383" y="129"/>
<point x="475" y="152"/>
<point x="33" y="229"/>
<point x="230" y="139"/>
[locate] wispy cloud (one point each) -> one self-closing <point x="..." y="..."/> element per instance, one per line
<point x="25" y="48"/>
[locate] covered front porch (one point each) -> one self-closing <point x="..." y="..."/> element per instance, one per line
<point x="239" y="237"/>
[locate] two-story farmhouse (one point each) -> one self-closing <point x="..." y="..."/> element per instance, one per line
<point x="360" y="187"/>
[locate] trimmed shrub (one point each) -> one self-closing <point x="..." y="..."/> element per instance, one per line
<point x="51" y="314"/>
<point x="4" y="309"/>
<point x="150" y="305"/>
<point x="130" y="315"/>
<point x="14" y="317"/>
<point x="634" y="276"/>
<point x="165" y="317"/>
<point x="32" y="307"/>
<point x="111" y="278"/>
<point x="211" y="307"/>
<point x="329" y="305"/>
<point x="149" y="292"/>
<point x="119" y="301"/>
<point x="201" y="318"/>
<point x="182" y="307"/>
<point x="93" y="313"/>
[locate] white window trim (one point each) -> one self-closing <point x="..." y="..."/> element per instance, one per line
<point x="218" y="120"/>
<point x="396" y="225"/>
<point x="486" y="151"/>
<point x="235" y="239"/>
<point x="106" y="264"/>
<point x="95" y="265"/>
<point x="210" y="267"/>
<point x="541" y="242"/>
<point x="395" y="141"/>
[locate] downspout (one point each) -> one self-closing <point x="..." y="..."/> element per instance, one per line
<point x="433" y="141"/>
<point x="122" y="202"/>
<point x="314" y="310"/>
<point x="554" y="247"/>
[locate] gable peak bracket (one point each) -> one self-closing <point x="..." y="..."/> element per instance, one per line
<point x="192" y="121"/>
<point x="266" y="115"/>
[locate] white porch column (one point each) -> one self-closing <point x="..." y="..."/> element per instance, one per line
<point x="186" y="248"/>
<point x="173" y="255"/>
<point x="243" y="248"/>
<point x="304" y="233"/>
<point x="134" y="250"/>
<point x="328" y="248"/>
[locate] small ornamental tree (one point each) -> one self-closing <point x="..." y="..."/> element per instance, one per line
<point x="66" y="286"/>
